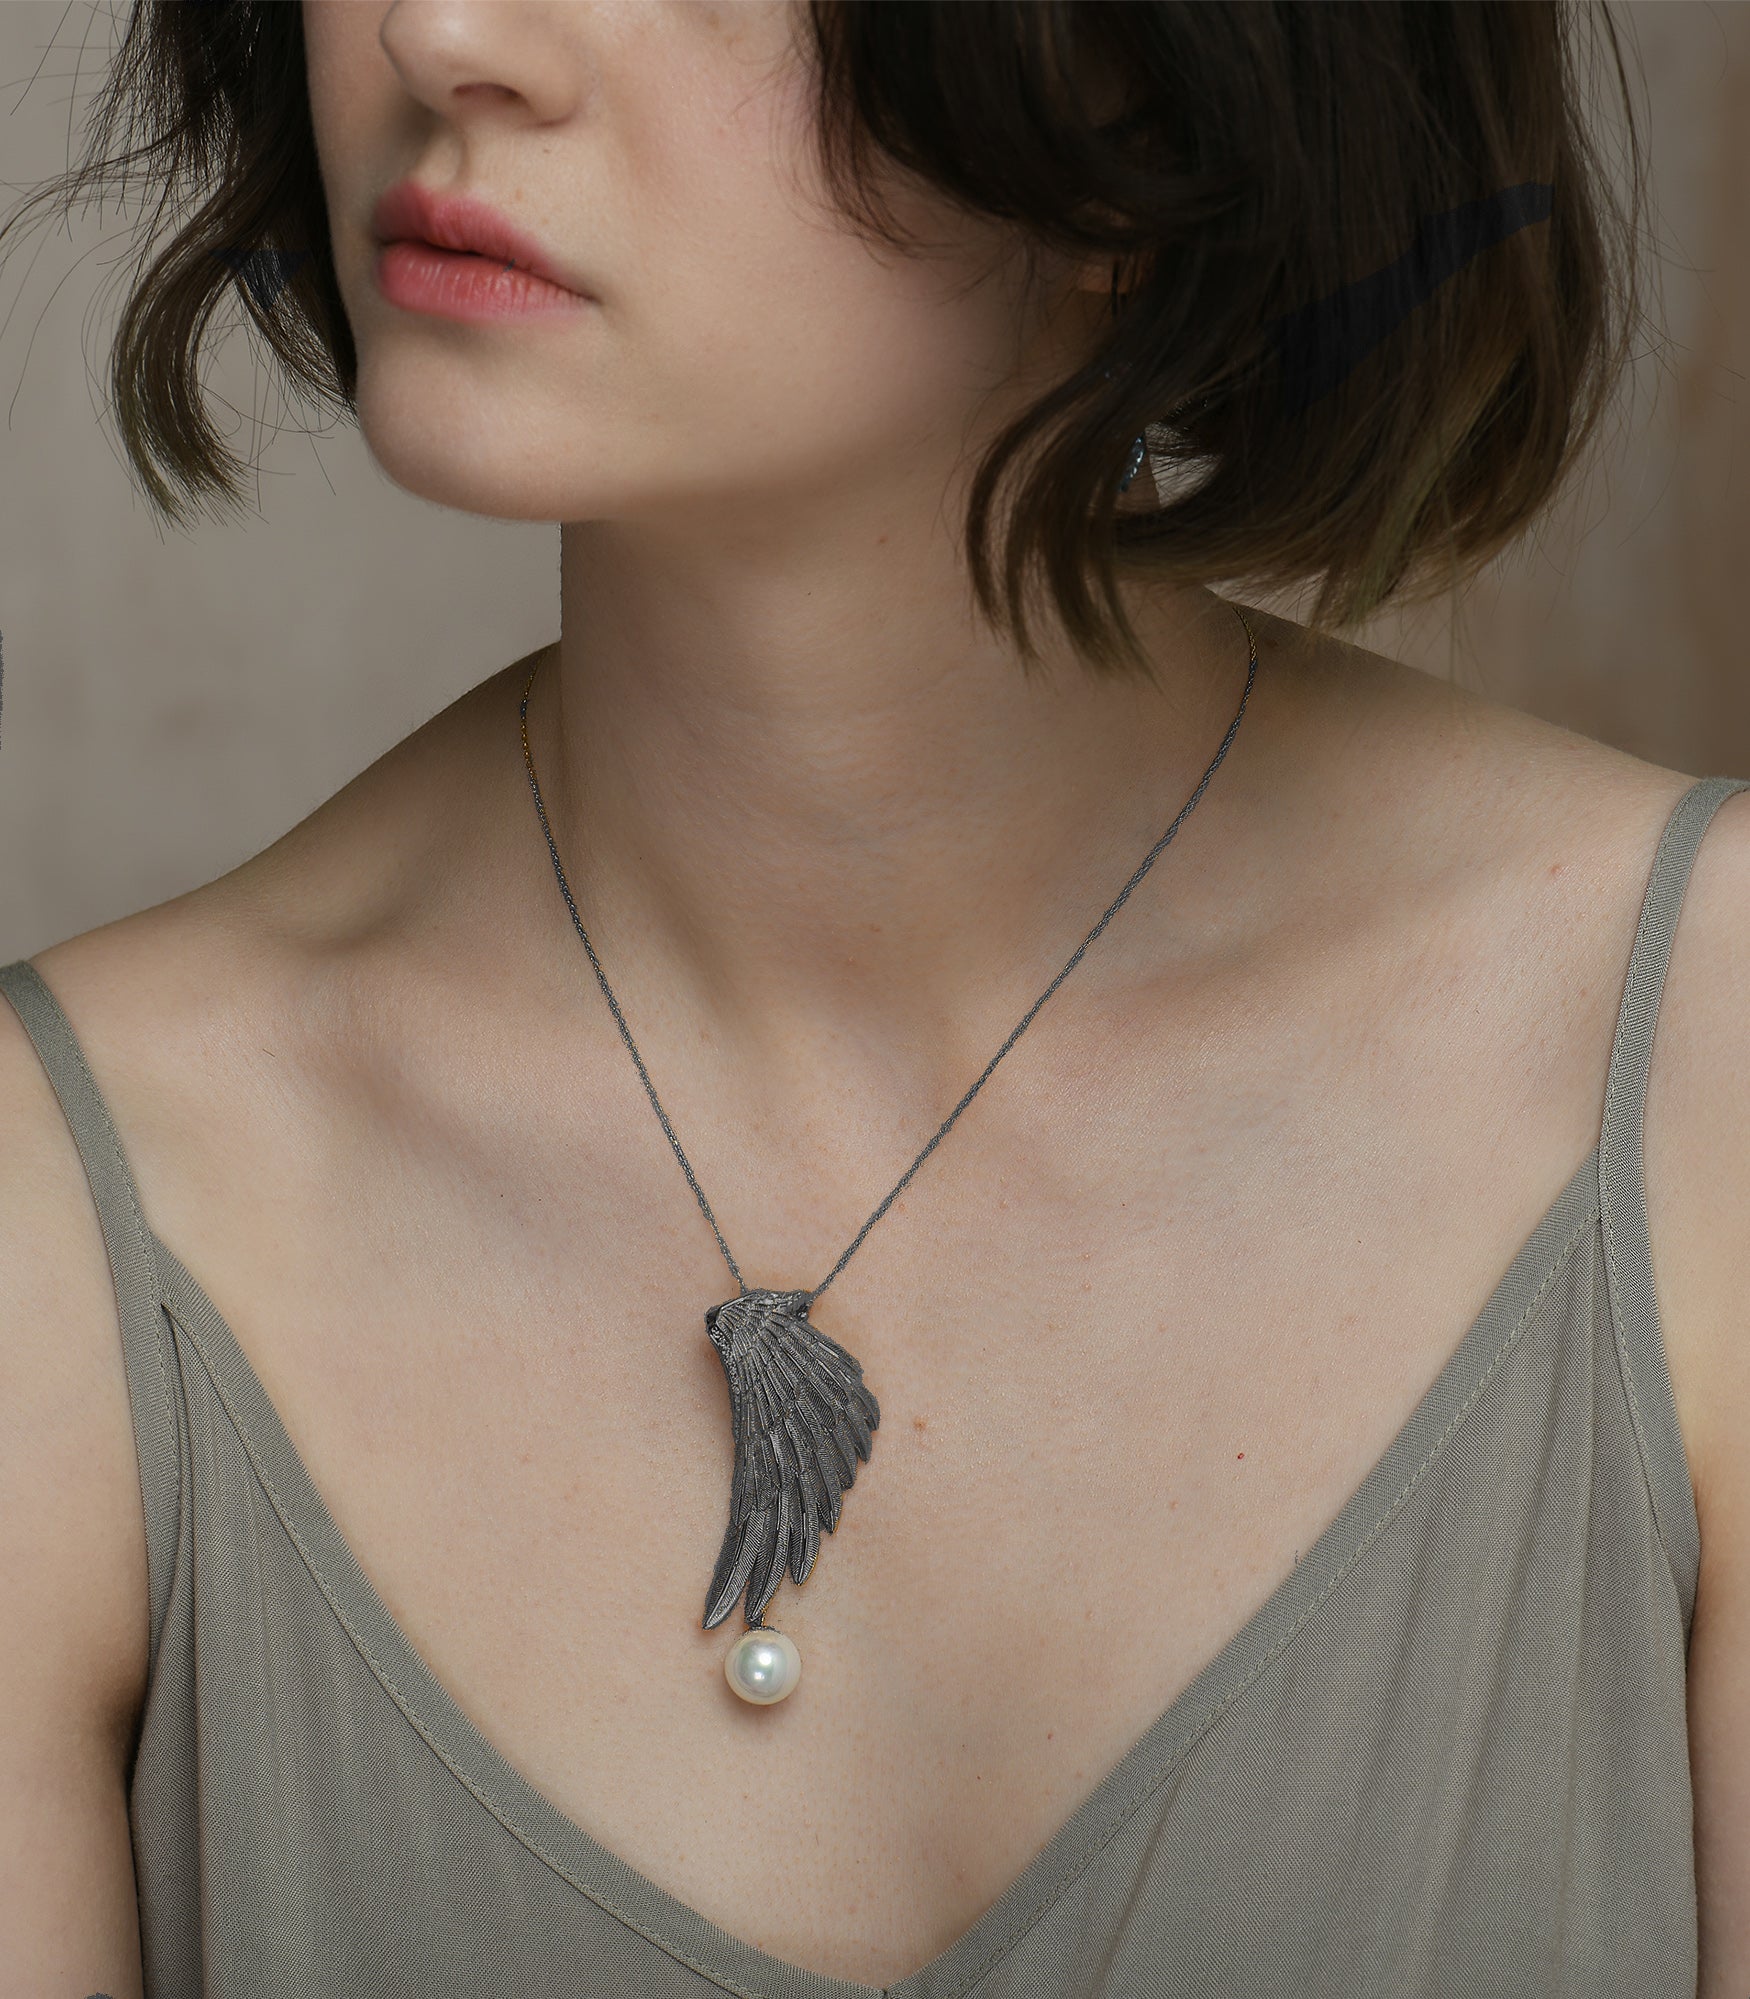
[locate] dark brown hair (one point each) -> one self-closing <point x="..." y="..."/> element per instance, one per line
<point x="1338" y="382"/>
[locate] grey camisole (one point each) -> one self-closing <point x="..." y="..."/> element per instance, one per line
<point x="1448" y="1756"/>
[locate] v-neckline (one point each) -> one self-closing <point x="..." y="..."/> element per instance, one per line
<point x="680" y="1930"/>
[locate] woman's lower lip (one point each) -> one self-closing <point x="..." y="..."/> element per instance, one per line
<point x="459" y="285"/>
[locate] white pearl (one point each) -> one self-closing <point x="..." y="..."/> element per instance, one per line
<point x="763" y="1666"/>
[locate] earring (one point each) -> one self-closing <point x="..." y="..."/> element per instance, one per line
<point x="1138" y="449"/>
<point x="1138" y="452"/>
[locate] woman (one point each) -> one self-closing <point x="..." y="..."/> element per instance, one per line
<point x="1238" y="1523"/>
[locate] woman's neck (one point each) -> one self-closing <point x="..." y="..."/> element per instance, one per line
<point x="846" y="802"/>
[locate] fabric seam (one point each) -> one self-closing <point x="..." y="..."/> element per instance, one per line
<point x="1608" y="1179"/>
<point x="1626" y="1369"/>
<point x="143" y="1237"/>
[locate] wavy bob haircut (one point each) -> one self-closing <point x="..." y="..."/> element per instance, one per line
<point x="1372" y="289"/>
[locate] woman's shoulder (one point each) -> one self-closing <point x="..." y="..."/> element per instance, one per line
<point x="1395" y="785"/>
<point x="1460" y="786"/>
<point x="1423" y="789"/>
<point x="74" y="1640"/>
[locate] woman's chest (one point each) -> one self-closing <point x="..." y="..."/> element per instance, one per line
<point x="1136" y="1336"/>
<point x="1111" y="1421"/>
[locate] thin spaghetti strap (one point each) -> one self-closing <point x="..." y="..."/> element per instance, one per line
<point x="1622" y="1186"/>
<point x="145" y="1334"/>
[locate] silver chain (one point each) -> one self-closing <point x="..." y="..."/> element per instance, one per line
<point x="625" y="1032"/>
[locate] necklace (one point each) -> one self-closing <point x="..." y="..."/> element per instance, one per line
<point x="800" y="1414"/>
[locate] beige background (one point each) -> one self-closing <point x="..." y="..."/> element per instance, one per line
<point x="172" y="704"/>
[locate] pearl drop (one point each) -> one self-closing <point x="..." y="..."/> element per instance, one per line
<point x="763" y="1666"/>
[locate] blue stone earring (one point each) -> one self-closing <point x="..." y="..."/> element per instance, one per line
<point x="1138" y="452"/>
<point x="1138" y="449"/>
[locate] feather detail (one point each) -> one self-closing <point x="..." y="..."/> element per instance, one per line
<point x="802" y="1420"/>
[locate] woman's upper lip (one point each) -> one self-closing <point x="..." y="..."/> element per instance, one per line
<point x="408" y="212"/>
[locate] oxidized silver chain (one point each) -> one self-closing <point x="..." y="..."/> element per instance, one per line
<point x="801" y="1415"/>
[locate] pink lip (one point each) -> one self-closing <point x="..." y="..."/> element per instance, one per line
<point x="410" y="214"/>
<point x="461" y="285"/>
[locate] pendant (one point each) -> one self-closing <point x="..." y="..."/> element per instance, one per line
<point x="763" y="1666"/>
<point x="802" y="1420"/>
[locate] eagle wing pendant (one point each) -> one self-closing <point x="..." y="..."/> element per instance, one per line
<point x="802" y="1419"/>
